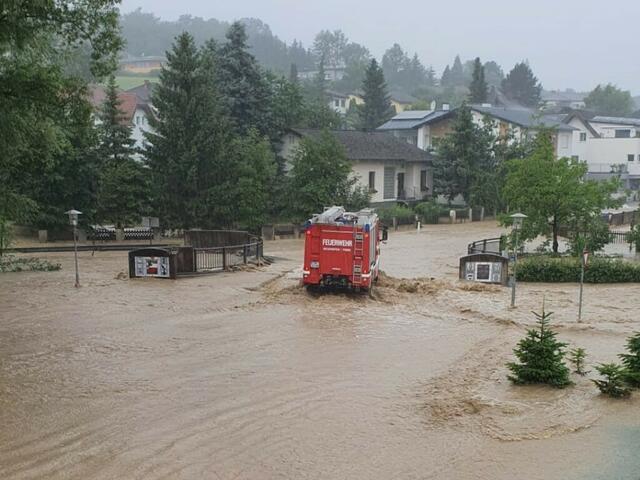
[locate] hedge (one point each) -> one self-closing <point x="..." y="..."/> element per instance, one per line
<point x="386" y="214"/>
<point x="567" y="269"/>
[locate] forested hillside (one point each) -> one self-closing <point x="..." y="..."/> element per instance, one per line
<point x="146" y="34"/>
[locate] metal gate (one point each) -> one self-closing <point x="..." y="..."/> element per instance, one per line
<point x="223" y="258"/>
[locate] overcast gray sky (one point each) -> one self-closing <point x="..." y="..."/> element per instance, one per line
<point x="569" y="43"/>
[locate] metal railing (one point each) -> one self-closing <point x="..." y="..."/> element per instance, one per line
<point x="618" y="237"/>
<point x="487" y="245"/>
<point x="223" y="258"/>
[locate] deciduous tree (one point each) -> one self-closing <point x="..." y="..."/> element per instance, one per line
<point x="553" y="191"/>
<point x="610" y="100"/>
<point x="320" y="176"/>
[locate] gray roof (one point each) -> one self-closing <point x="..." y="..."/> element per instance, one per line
<point x="616" y="120"/>
<point x="562" y="96"/>
<point x="402" y="97"/>
<point x="409" y="120"/>
<point x="524" y="117"/>
<point x="360" y="145"/>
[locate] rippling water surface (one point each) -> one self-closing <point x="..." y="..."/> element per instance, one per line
<point x="245" y="376"/>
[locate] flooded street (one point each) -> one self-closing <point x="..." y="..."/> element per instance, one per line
<point x="244" y="375"/>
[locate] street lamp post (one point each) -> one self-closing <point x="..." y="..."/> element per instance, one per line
<point x="73" y="220"/>
<point x="518" y="218"/>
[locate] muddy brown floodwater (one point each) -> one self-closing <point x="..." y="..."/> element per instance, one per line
<point x="245" y="376"/>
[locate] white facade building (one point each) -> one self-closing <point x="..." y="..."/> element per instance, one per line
<point x="389" y="168"/>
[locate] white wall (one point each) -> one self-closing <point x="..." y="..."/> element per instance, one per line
<point x="140" y="125"/>
<point x="339" y="104"/>
<point x="411" y="172"/>
<point x="564" y="146"/>
<point x="608" y="130"/>
<point x="424" y="137"/>
<point x="604" y="152"/>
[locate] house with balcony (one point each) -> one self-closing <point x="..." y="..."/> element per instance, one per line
<point x="390" y="168"/>
<point x="419" y="127"/>
<point x="423" y="128"/>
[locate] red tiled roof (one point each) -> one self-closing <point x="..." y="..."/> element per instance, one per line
<point x="128" y="101"/>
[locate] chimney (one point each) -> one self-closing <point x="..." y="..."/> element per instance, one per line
<point x="445" y="107"/>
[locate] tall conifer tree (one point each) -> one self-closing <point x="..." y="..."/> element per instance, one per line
<point x="377" y="107"/>
<point x="122" y="184"/>
<point x="242" y="83"/>
<point x="478" y="87"/>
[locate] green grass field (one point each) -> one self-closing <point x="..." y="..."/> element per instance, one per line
<point x="125" y="83"/>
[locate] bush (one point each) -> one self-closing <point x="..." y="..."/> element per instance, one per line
<point x="565" y="269"/>
<point x="613" y="384"/>
<point x="541" y="357"/>
<point x="431" y="211"/>
<point x="386" y="214"/>
<point x="10" y="263"/>
<point x="5" y="235"/>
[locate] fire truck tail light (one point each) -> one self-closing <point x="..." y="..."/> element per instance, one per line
<point x="314" y="264"/>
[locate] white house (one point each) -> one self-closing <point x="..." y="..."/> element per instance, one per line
<point x="339" y="102"/>
<point x="554" y="99"/>
<point x="419" y="127"/>
<point x="616" y="127"/>
<point x="423" y="127"/>
<point x="523" y="123"/>
<point x="391" y="169"/>
<point x="135" y="107"/>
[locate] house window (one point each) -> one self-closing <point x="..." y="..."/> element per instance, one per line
<point x="575" y="158"/>
<point x="423" y="181"/>
<point x="342" y="104"/>
<point x="583" y="136"/>
<point x="626" y="133"/>
<point x="631" y="157"/>
<point x="372" y="181"/>
<point x="336" y="102"/>
<point x="138" y="120"/>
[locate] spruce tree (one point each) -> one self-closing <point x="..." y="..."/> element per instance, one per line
<point x="457" y="73"/>
<point x="293" y="74"/>
<point x="242" y="84"/>
<point x="540" y="357"/>
<point x="631" y="361"/>
<point x="122" y="185"/>
<point x="614" y="383"/>
<point x="186" y="154"/>
<point x="377" y="107"/>
<point x="445" y="80"/>
<point x="522" y="86"/>
<point x="478" y="87"/>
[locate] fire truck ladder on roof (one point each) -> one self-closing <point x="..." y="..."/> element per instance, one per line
<point x="358" y="253"/>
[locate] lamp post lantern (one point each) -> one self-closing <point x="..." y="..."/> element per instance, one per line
<point x="73" y="220"/>
<point x="518" y="219"/>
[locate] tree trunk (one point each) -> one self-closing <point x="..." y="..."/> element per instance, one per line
<point x="555" y="235"/>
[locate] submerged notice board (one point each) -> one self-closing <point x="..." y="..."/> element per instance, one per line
<point x="485" y="268"/>
<point x="152" y="262"/>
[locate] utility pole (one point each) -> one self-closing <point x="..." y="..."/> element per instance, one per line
<point x="584" y="260"/>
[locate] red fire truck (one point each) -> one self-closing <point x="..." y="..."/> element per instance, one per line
<point x="342" y="249"/>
